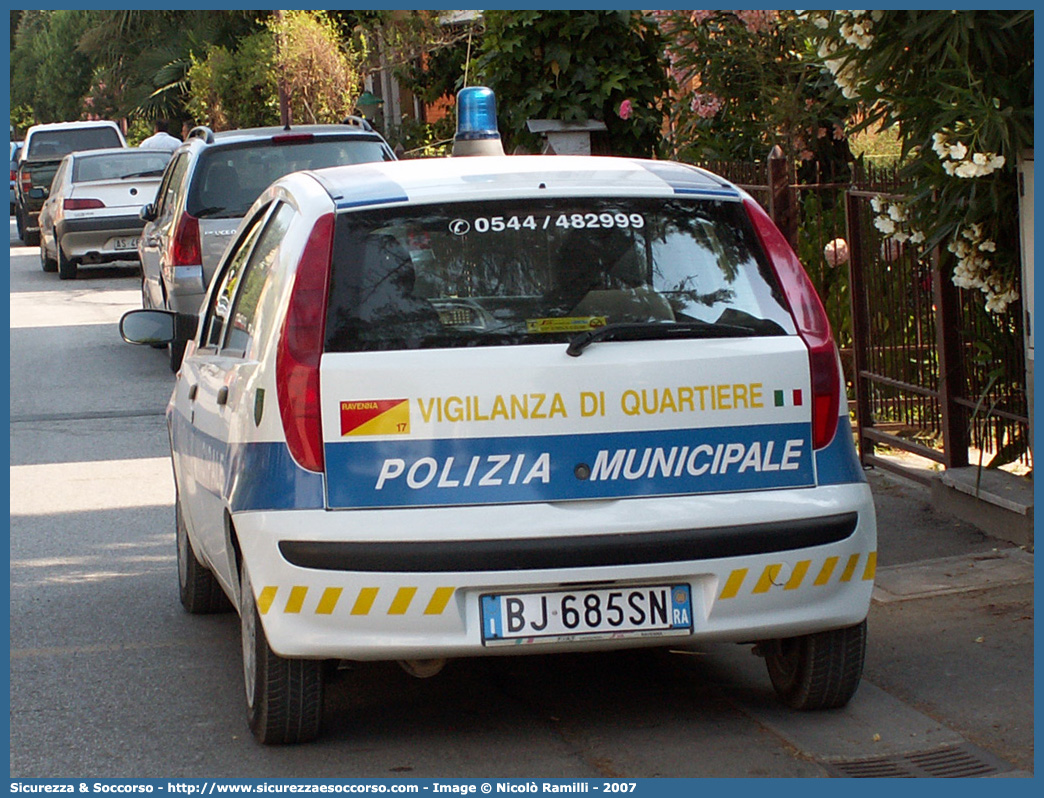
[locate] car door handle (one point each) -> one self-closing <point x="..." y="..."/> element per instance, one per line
<point x="192" y="392"/>
<point x="222" y="395"/>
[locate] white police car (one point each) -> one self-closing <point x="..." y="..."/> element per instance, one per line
<point x="497" y="405"/>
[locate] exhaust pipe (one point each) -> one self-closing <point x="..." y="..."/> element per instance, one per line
<point x="422" y="668"/>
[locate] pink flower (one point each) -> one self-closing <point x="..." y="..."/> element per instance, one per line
<point x="757" y="21"/>
<point x="625" y="110"/>
<point x="705" y="104"/>
<point x="836" y="252"/>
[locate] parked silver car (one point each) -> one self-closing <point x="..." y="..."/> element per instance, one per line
<point x="91" y="214"/>
<point x="211" y="182"/>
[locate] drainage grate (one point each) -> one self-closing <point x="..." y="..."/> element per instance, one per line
<point x="957" y="762"/>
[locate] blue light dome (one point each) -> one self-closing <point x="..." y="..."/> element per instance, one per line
<point x="476" y="114"/>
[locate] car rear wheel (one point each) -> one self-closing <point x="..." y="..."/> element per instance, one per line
<point x="198" y="588"/>
<point x="67" y="267"/>
<point x="817" y="671"/>
<point x="47" y="263"/>
<point x="284" y="696"/>
<point x="20" y="224"/>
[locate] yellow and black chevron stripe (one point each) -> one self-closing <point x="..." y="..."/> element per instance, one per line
<point x="738" y="584"/>
<point x="271" y="600"/>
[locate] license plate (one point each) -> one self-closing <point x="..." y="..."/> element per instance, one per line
<point x="125" y="243"/>
<point x="605" y="613"/>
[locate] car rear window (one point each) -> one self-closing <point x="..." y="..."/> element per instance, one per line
<point x="227" y="180"/>
<point x="57" y="143"/>
<point x="117" y="166"/>
<point x="466" y="274"/>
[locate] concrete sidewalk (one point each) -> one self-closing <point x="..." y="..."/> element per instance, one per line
<point x="951" y="626"/>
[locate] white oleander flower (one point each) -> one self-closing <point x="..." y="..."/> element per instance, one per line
<point x="885" y="225"/>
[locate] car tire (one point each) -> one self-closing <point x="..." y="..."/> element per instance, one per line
<point x="198" y="588"/>
<point x="20" y="224"/>
<point x="31" y="238"/>
<point x="284" y="696"/>
<point x="176" y="350"/>
<point x="817" y="671"/>
<point x="48" y="264"/>
<point x="67" y="267"/>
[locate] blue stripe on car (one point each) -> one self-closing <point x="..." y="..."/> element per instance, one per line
<point x="838" y="463"/>
<point x="539" y="468"/>
<point x="247" y="476"/>
<point x="689" y="181"/>
<point x="370" y="188"/>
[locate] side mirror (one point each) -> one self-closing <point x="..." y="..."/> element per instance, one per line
<point x="148" y="212"/>
<point x="157" y="326"/>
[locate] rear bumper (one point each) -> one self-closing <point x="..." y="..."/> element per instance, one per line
<point x="100" y="239"/>
<point x="406" y="584"/>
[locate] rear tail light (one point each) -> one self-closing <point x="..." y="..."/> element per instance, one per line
<point x="27" y="180"/>
<point x="14" y="175"/>
<point x="284" y="138"/>
<point x="301" y="347"/>
<point x="184" y="244"/>
<point x="81" y="204"/>
<point x="812" y="324"/>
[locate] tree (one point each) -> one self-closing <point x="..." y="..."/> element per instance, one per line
<point x="575" y="66"/>
<point x="142" y="58"/>
<point x="959" y="87"/>
<point x="49" y="74"/>
<point x="747" y="81"/>
<point x="235" y="87"/>
<point x="321" y="74"/>
<point x="232" y="87"/>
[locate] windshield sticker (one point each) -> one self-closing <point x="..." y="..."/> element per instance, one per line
<point x="375" y="417"/>
<point x="568" y="324"/>
<point x="563" y="221"/>
<point x="394" y="473"/>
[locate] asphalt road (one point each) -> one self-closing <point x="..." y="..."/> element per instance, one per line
<point x="110" y="678"/>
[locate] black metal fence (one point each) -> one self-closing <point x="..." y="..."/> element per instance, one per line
<point x="929" y="370"/>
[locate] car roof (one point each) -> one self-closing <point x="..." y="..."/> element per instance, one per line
<point x="516" y="176"/>
<point x="255" y="133"/>
<point x="71" y="125"/>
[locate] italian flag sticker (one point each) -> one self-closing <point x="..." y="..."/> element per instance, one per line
<point x="788" y="398"/>
<point x="375" y="417"/>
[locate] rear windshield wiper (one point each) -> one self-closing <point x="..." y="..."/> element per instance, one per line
<point x="638" y="331"/>
<point x="146" y="173"/>
<point x="213" y="210"/>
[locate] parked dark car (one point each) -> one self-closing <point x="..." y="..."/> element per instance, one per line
<point x="45" y="146"/>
